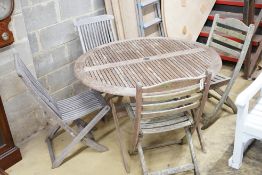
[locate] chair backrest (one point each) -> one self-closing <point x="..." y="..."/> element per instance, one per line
<point x="95" y="31"/>
<point x="171" y="97"/>
<point x="34" y="85"/>
<point x="231" y="36"/>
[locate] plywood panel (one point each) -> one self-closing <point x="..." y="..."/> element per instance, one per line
<point x="129" y="19"/>
<point x="184" y="19"/>
<point x="118" y="19"/>
<point x="109" y="8"/>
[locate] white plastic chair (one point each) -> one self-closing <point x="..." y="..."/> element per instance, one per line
<point x="95" y="31"/>
<point x="249" y="121"/>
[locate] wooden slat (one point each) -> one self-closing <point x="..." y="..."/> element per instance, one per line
<point x="172" y="84"/>
<point x="225" y="49"/>
<point x="180" y="169"/>
<point x="228" y="41"/>
<point x="234" y="23"/>
<point x="167" y="127"/>
<point x="154" y="114"/>
<point x="231" y="33"/>
<point x="163" y="121"/>
<point x="169" y="96"/>
<point x="171" y="104"/>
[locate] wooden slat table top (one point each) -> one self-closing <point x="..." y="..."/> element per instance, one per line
<point x="115" y="68"/>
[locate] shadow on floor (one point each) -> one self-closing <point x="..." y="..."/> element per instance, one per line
<point x="252" y="162"/>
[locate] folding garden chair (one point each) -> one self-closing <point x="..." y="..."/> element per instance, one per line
<point x="95" y="31"/>
<point x="232" y="37"/>
<point x="66" y="111"/>
<point x="165" y="107"/>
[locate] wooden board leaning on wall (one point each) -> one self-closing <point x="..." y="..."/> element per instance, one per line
<point x="184" y="19"/>
<point x="126" y="21"/>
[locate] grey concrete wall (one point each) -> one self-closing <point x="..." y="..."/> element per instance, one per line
<point x="47" y="42"/>
<point x="54" y="42"/>
<point x="24" y="114"/>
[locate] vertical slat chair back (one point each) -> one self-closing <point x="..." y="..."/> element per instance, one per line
<point x="168" y="98"/>
<point x="35" y="86"/>
<point x="95" y="31"/>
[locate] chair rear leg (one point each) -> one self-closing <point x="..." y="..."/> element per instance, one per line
<point x="119" y="138"/>
<point x="86" y="140"/>
<point x="53" y="131"/>
<point x="229" y="102"/>
<point x="191" y="147"/>
<point x="58" y="161"/>
<point x="81" y="124"/>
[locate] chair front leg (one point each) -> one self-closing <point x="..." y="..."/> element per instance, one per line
<point x="199" y="133"/>
<point x="191" y="147"/>
<point x="142" y="157"/>
<point x="79" y="136"/>
<point x="119" y="138"/>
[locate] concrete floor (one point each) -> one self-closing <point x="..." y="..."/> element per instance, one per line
<point x="85" y="161"/>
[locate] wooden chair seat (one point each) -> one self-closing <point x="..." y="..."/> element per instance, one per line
<point x="163" y="123"/>
<point x="219" y="80"/>
<point x="79" y="105"/>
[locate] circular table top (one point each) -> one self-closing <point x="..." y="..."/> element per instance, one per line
<point x="115" y="68"/>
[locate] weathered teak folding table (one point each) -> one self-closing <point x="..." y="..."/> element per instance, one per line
<point x="115" y="68"/>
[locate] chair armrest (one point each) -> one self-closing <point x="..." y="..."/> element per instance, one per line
<point x="244" y="97"/>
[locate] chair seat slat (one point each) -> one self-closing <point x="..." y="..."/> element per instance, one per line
<point x="166" y="128"/>
<point x="164" y="122"/>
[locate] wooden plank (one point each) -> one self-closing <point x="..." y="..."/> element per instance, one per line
<point x="170" y="104"/>
<point x="235" y="34"/>
<point x="185" y="19"/>
<point x="153" y="114"/>
<point x="175" y="170"/>
<point x="228" y="41"/>
<point x="118" y="19"/>
<point x="129" y="20"/>
<point x="225" y="49"/>
<point x="109" y="8"/>
<point x="234" y="23"/>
